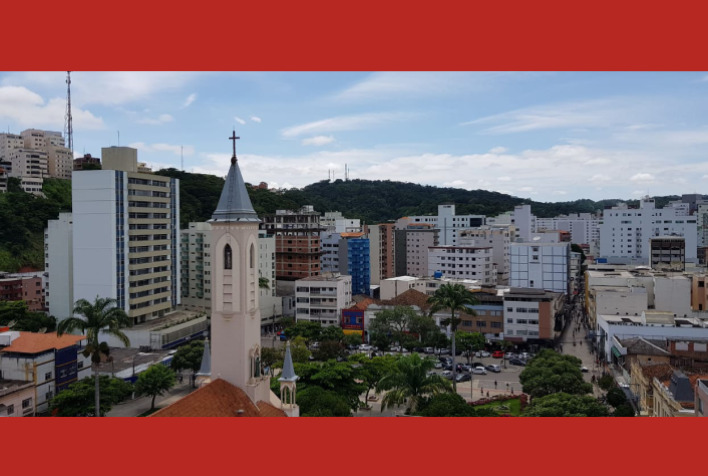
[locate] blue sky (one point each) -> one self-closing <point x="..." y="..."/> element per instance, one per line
<point x="549" y="136"/>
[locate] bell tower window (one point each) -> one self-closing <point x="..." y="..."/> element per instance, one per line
<point x="227" y="257"/>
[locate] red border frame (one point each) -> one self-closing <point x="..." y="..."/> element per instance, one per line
<point x="364" y="35"/>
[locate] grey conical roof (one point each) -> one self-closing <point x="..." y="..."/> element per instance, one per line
<point x="234" y="204"/>
<point x="288" y="373"/>
<point x="205" y="368"/>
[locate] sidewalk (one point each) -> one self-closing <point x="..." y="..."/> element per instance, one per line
<point x="133" y="408"/>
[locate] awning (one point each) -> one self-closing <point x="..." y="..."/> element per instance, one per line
<point x="616" y="352"/>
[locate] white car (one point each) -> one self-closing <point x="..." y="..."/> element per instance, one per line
<point x="479" y="371"/>
<point x="364" y="347"/>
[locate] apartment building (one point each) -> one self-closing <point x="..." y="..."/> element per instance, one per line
<point x="529" y="314"/>
<point x="348" y="253"/>
<point x="540" y="266"/>
<point x="462" y="262"/>
<point x="322" y="298"/>
<point x="334" y="222"/>
<point x="59" y="159"/>
<point x="668" y="253"/>
<point x="584" y="228"/>
<point x="51" y="363"/>
<point x="297" y="242"/>
<point x="3" y="178"/>
<point x="446" y="221"/>
<point x="195" y="266"/>
<point x="125" y="236"/>
<point x="411" y="248"/>
<point x="59" y="266"/>
<point x="382" y="252"/>
<point x="521" y="218"/>
<point x="499" y="238"/>
<point x="625" y="232"/>
<point x="15" y="287"/>
<point x="87" y="163"/>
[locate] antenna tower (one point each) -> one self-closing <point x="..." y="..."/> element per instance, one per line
<point x="68" y="128"/>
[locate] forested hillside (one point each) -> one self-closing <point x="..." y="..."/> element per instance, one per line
<point x="23" y="216"/>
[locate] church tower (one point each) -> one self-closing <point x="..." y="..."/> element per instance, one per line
<point x="235" y="316"/>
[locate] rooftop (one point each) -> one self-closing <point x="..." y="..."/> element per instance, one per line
<point x="35" y="343"/>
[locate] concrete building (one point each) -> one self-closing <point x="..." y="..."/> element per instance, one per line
<point x="322" y="298"/>
<point x="625" y="232"/>
<point x="540" y="266"/>
<point x="348" y="253"/>
<point x="675" y="397"/>
<point x="59" y="159"/>
<point x="394" y="287"/>
<point x="499" y="238"/>
<point x="668" y="253"/>
<point x="125" y="236"/>
<point x="87" y="162"/>
<point x="15" y="287"/>
<point x="382" y="252"/>
<point x="49" y="362"/>
<point x="270" y="304"/>
<point x="3" y="178"/>
<point x="195" y="266"/>
<point x="297" y="242"/>
<point x="334" y="222"/>
<point x="701" y="404"/>
<point x="529" y="314"/>
<point x="30" y="166"/>
<point x="584" y="228"/>
<point x="462" y="262"/>
<point x="16" y="398"/>
<point x="59" y="266"/>
<point x="411" y="245"/>
<point x="446" y="221"/>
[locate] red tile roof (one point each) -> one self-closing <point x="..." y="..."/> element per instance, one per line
<point x="219" y="399"/>
<point x="34" y="343"/>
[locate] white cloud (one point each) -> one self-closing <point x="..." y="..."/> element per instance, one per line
<point x="642" y="177"/>
<point x="256" y="119"/>
<point x="504" y="179"/>
<point x="239" y="120"/>
<point x="560" y="192"/>
<point x="455" y="184"/>
<point x="161" y="119"/>
<point x="318" y="140"/>
<point x="344" y="123"/>
<point x="599" y="178"/>
<point x="178" y="150"/>
<point x="498" y="150"/>
<point x="29" y="109"/>
<point x="526" y="189"/>
<point x="190" y="99"/>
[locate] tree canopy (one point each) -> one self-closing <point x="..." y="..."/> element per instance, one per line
<point x="566" y="405"/>
<point x="78" y="400"/>
<point x="550" y="372"/>
<point x="156" y="380"/>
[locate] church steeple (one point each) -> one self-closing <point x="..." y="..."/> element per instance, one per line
<point x="288" y="386"/>
<point x="204" y="374"/>
<point x="234" y="203"/>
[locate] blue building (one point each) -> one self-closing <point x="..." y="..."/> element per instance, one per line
<point x="358" y="264"/>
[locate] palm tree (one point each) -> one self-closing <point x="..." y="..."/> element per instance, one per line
<point x="454" y="297"/>
<point x="101" y="316"/>
<point x="410" y="381"/>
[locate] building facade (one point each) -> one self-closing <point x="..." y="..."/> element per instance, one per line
<point x="22" y="288"/>
<point x="59" y="266"/>
<point x="499" y="238"/>
<point x="462" y="262"/>
<point x="322" y="298"/>
<point x="126" y="236"/>
<point x="529" y="314"/>
<point x="446" y="221"/>
<point x="297" y="242"/>
<point x="540" y="266"/>
<point x="382" y="252"/>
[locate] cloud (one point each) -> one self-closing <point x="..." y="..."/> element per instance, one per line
<point x="162" y="119"/>
<point x="599" y="178"/>
<point x="504" y="179"/>
<point x="29" y="109"/>
<point x="498" y="150"/>
<point x="344" y="123"/>
<point x="601" y="113"/>
<point x="239" y="120"/>
<point x="190" y="99"/>
<point x="642" y="177"/>
<point x="178" y="150"/>
<point x="560" y="192"/>
<point x="318" y="140"/>
<point x="256" y="119"/>
<point x="394" y="84"/>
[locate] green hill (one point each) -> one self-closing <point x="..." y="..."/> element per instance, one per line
<point x="23" y="216"/>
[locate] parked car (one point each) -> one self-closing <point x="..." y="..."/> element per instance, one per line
<point x="484" y="353"/>
<point x="418" y="350"/>
<point x="447" y="366"/>
<point x="283" y="336"/>
<point x="445" y="359"/>
<point x="498" y="354"/>
<point x="447" y="374"/>
<point x="463" y="378"/>
<point x="444" y="351"/>
<point x="438" y="365"/>
<point x="463" y="368"/>
<point x="364" y="347"/>
<point x="493" y="368"/>
<point x="517" y="361"/>
<point x="429" y="350"/>
<point x="583" y="369"/>
<point x="479" y="371"/>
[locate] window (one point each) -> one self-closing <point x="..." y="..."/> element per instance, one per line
<point x="227" y="257"/>
<point x="26" y="403"/>
<point x="10" y="409"/>
<point x="48" y="376"/>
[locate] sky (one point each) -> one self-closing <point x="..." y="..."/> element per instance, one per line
<point x="547" y="136"/>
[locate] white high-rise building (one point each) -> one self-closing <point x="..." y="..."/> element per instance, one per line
<point x="540" y="266"/>
<point x="463" y="263"/>
<point x="499" y="239"/>
<point x="322" y="298"/>
<point x="58" y="264"/>
<point x="334" y="222"/>
<point x="584" y="228"/>
<point x="625" y="232"/>
<point x="521" y="217"/>
<point x="446" y="221"/>
<point x="126" y="236"/>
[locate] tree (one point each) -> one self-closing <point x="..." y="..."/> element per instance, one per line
<point x="352" y="339"/>
<point x="308" y="330"/>
<point x="329" y="349"/>
<point x="101" y="316"/>
<point x="446" y="405"/>
<point x="566" y="405"/>
<point x="263" y="283"/>
<point x="156" y="380"/>
<point x="78" y="399"/>
<point x="271" y="356"/>
<point x="18" y="317"/>
<point x="624" y="410"/>
<point x="189" y="357"/>
<point x="299" y="351"/>
<point x="410" y="381"/>
<point x="454" y="297"/>
<point x="315" y="401"/>
<point x="550" y="372"/>
<point x="606" y="382"/>
<point x="470" y="342"/>
<point x="616" y="397"/>
<point x="371" y="371"/>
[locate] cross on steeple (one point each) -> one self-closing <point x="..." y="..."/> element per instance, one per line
<point x="234" y="138"/>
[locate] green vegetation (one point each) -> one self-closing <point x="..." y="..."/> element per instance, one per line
<point x="16" y="315"/>
<point x="566" y="405"/>
<point x="550" y="372"/>
<point x="78" y="399"/>
<point x="509" y="407"/>
<point x="188" y="357"/>
<point x="156" y="380"/>
<point x="101" y="316"/>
